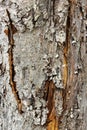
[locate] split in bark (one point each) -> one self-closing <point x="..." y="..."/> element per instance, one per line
<point x="52" y="122"/>
<point x="65" y="55"/>
<point x="9" y="32"/>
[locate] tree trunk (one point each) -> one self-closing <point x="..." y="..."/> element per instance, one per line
<point x="43" y="65"/>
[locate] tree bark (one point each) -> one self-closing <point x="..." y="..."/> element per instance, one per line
<point x="43" y="65"/>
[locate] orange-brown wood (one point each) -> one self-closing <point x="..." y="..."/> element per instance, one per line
<point x="52" y="122"/>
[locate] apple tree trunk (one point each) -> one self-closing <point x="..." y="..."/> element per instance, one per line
<point x="43" y="64"/>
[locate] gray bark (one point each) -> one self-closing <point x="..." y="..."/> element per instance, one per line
<point x="43" y="65"/>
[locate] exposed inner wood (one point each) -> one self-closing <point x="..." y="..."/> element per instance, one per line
<point x="9" y="32"/>
<point x="52" y="121"/>
<point x="67" y="44"/>
<point x="66" y="55"/>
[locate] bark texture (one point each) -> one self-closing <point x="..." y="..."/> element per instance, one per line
<point x="43" y="64"/>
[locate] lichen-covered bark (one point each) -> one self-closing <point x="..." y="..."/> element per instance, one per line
<point x="43" y="64"/>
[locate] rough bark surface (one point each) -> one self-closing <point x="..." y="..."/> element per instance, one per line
<point x="43" y="64"/>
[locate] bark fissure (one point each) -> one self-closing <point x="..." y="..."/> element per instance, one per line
<point x="52" y="122"/>
<point x="66" y="57"/>
<point x="9" y="32"/>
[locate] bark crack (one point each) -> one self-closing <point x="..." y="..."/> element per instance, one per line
<point x="67" y="43"/>
<point x="9" y="32"/>
<point x="52" y="122"/>
<point x="65" y="56"/>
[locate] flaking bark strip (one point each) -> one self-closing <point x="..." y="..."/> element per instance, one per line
<point x="9" y="32"/>
<point x="65" y="55"/>
<point x="52" y="122"/>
